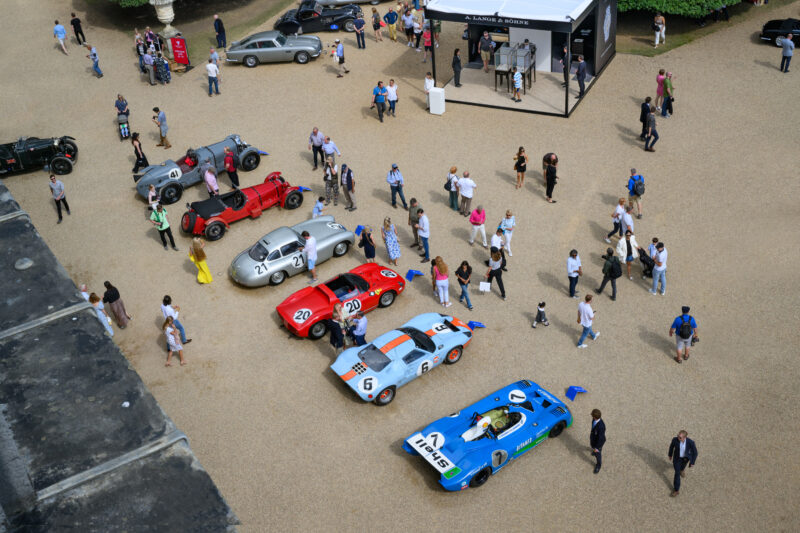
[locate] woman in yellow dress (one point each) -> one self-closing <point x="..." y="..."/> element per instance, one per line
<point x="198" y="257"/>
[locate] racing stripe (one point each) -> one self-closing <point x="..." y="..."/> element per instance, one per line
<point x="458" y="322"/>
<point x="430" y="333"/>
<point x="395" y="343"/>
<point x="350" y="375"/>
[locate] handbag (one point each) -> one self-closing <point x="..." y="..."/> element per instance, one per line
<point x="485" y="286"/>
<point x="655" y="27"/>
<point x="447" y="184"/>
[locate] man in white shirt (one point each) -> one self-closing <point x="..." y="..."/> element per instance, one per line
<point x="616" y="217"/>
<point x="573" y="271"/>
<point x="213" y="76"/>
<point x="360" y="329"/>
<point x="626" y="221"/>
<point x="466" y="187"/>
<point x="660" y="270"/>
<point x="424" y="232"/>
<point x="585" y="319"/>
<point x="167" y="309"/>
<point x="428" y="86"/>
<point x="311" y="255"/>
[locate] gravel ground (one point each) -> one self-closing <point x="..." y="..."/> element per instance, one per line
<point x="286" y="441"/>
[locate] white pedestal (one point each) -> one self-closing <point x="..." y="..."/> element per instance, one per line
<point x="436" y="100"/>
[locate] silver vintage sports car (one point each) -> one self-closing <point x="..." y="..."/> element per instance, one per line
<point x="272" y="47"/>
<point x="277" y="254"/>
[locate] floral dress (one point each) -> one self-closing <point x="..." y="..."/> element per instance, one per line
<point x="392" y="245"/>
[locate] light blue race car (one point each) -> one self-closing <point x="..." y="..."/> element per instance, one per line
<point x="375" y="370"/>
<point x="469" y="446"/>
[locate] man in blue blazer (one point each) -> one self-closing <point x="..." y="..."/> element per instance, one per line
<point x="581" y="76"/>
<point x="682" y="451"/>
<point x="597" y="437"/>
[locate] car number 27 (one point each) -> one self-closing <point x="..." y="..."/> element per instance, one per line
<point x="351" y="306"/>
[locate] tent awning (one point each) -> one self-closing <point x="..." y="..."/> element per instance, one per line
<point x="545" y="10"/>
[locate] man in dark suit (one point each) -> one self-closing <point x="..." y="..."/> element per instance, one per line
<point x="643" y="116"/>
<point x="597" y="437"/>
<point x="581" y="75"/>
<point x="682" y="451"/>
<point x="564" y="64"/>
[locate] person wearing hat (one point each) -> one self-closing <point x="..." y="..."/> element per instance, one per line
<point x="611" y="271"/>
<point x="339" y="56"/>
<point x="686" y="328"/>
<point x="348" y="187"/>
<point x="395" y="180"/>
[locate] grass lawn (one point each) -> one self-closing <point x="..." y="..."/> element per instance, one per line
<point x="635" y="37"/>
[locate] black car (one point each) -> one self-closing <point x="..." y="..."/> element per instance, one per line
<point x="29" y="153"/>
<point x="775" y="30"/>
<point x="311" y="16"/>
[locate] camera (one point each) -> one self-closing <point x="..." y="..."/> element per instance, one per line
<point x="695" y="340"/>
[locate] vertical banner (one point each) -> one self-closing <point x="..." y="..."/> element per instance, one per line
<point x="179" y="50"/>
<point x="606" y="34"/>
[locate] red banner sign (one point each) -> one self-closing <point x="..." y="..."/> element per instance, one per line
<point x="179" y="50"/>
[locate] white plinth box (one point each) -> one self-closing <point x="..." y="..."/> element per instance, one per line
<point x="436" y="98"/>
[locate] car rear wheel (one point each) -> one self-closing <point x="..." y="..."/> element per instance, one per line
<point x="317" y="330"/>
<point x="293" y="200"/>
<point x="250" y="61"/>
<point x="480" y="478"/>
<point x="779" y="41"/>
<point x="215" y="231"/>
<point x="385" y="397"/>
<point x="277" y="277"/>
<point x="556" y="431"/>
<point x="251" y="161"/>
<point x="340" y="249"/>
<point x="70" y="149"/>
<point x="302" y="57"/>
<point x="349" y="25"/>
<point x="188" y="221"/>
<point x="387" y="299"/>
<point x="171" y="194"/>
<point x="61" y="165"/>
<point x="453" y="356"/>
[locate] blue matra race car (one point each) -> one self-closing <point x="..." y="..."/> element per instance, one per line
<point x="469" y="446"/>
<point x="375" y="370"/>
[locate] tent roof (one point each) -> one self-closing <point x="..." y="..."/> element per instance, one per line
<point x="549" y="10"/>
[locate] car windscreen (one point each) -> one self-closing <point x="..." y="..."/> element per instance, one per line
<point x="373" y="358"/>
<point x="257" y="252"/>
<point x="420" y="339"/>
<point x="281" y="38"/>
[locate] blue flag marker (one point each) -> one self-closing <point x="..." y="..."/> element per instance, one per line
<point x="573" y="391"/>
<point x="411" y="273"/>
<point x="473" y="324"/>
<point x="359" y="229"/>
<point x="334" y="27"/>
<point x="304" y="189"/>
<point x="262" y="152"/>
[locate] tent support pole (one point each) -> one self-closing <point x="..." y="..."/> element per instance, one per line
<point x="569" y="72"/>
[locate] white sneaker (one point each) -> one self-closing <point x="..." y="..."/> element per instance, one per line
<point x="510" y="254"/>
<point x="583" y="346"/>
<point x="607" y="240"/>
<point x="448" y="304"/>
<point x="595" y="336"/>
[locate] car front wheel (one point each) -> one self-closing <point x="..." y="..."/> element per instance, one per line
<point x="294" y="200"/>
<point x="302" y="57"/>
<point x="277" y="278"/>
<point x="349" y="25"/>
<point x="480" y="478"/>
<point x="250" y="61"/>
<point x="61" y="165"/>
<point x="317" y="330"/>
<point x="188" y="221"/>
<point x="70" y="149"/>
<point x="251" y="161"/>
<point x="215" y="231"/>
<point x="385" y="397"/>
<point x="387" y="299"/>
<point x="340" y="249"/>
<point x="453" y="356"/>
<point x="556" y="431"/>
<point x="171" y="194"/>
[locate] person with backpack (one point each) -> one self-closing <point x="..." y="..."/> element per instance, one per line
<point x="451" y="186"/>
<point x="231" y="164"/>
<point x="686" y="328"/>
<point x="612" y="270"/>
<point x="636" y="191"/>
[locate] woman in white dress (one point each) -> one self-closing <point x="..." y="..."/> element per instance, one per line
<point x="173" y="341"/>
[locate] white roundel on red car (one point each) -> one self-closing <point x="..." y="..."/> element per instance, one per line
<point x="388" y="274"/>
<point x="301" y="315"/>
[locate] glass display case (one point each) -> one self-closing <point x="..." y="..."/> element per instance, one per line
<point x="522" y="59"/>
<point x="504" y="57"/>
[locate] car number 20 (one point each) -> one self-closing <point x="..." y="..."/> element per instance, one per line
<point x="351" y="306"/>
<point x="301" y="315"/>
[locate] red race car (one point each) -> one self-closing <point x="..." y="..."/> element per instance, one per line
<point x="213" y="216"/>
<point x="306" y="312"/>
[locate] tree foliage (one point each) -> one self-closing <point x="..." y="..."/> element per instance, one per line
<point x="686" y="8"/>
<point x="130" y="3"/>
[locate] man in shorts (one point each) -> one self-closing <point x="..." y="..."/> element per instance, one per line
<point x="686" y="328"/>
<point x="61" y="34"/>
<point x="485" y="46"/>
<point x="311" y="255"/>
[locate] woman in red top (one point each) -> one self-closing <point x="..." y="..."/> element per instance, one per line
<point x="426" y="39"/>
<point x="441" y="282"/>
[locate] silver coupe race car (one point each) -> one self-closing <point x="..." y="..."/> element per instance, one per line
<point x="277" y="254"/>
<point x="272" y="47"/>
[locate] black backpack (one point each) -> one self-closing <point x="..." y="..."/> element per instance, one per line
<point x="638" y="185"/>
<point x="616" y="268"/>
<point x="685" y="331"/>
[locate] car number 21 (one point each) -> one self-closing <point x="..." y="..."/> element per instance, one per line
<point x="351" y="306"/>
<point x="261" y="269"/>
<point x="297" y="261"/>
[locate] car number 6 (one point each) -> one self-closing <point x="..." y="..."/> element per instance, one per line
<point x="424" y="367"/>
<point x="368" y="384"/>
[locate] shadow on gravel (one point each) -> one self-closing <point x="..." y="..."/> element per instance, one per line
<point x="576" y="448"/>
<point x="658" y="341"/>
<point x="654" y="461"/>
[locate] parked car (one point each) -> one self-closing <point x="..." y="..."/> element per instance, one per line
<point x="273" y="47"/>
<point x="312" y="16"/>
<point x="775" y="30"/>
<point x="469" y="446"/>
<point x="364" y="288"/>
<point x="213" y="216"/>
<point x="170" y="178"/>
<point x="375" y="371"/>
<point x="31" y="153"/>
<point x="276" y="255"/>
<point x="333" y="3"/>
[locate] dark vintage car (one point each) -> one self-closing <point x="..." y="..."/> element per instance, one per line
<point x="311" y="16"/>
<point x="272" y="47"/>
<point x="30" y="153"/>
<point x="774" y="31"/>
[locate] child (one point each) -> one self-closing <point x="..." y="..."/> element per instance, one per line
<point x="318" y="207"/>
<point x="541" y="317"/>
